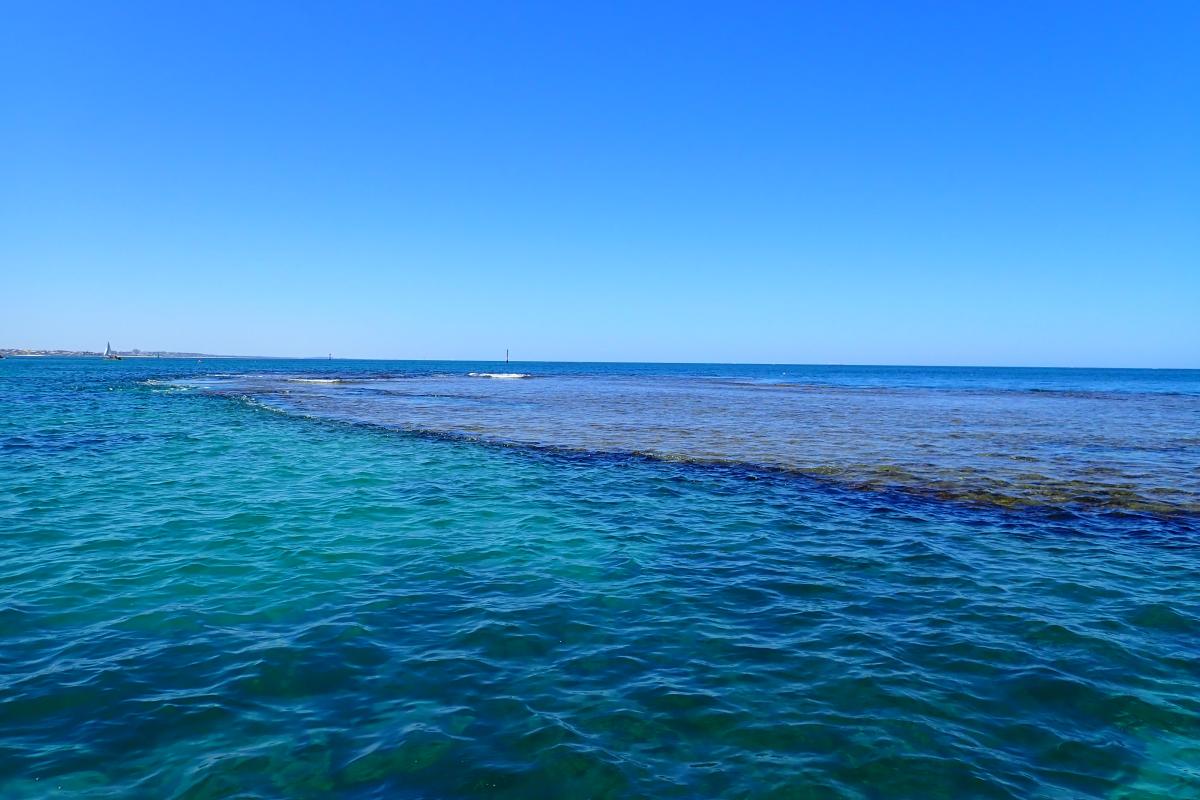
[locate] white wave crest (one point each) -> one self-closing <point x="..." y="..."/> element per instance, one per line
<point x="503" y="375"/>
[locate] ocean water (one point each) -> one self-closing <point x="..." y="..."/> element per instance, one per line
<point x="291" y="579"/>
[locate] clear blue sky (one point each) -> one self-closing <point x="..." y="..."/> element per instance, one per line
<point x="937" y="183"/>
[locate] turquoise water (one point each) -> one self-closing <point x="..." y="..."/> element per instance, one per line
<point x="222" y="580"/>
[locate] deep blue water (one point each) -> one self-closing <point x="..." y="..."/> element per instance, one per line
<point x="292" y="579"/>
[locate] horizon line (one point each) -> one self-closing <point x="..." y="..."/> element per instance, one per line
<point x="28" y="352"/>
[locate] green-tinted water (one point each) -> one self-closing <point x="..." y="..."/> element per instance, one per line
<point x="201" y="598"/>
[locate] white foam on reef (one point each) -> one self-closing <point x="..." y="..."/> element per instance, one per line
<point x="315" y="380"/>
<point x="503" y="375"/>
<point x="165" y="386"/>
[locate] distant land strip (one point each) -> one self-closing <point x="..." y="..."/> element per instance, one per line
<point x="135" y="353"/>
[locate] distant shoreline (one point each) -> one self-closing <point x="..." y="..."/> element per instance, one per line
<point x="31" y="353"/>
<point x="25" y="352"/>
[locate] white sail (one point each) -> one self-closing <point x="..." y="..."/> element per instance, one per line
<point x="107" y="349"/>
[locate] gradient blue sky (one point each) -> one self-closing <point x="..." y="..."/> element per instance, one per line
<point x="935" y="183"/>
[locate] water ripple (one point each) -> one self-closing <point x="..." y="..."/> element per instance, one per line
<point x="204" y="600"/>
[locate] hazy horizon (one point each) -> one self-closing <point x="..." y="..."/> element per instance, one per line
<point x="501" y="360"/>
<point x="850" y="184"/>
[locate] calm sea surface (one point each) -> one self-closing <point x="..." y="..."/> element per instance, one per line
<point x="301" y="579"/>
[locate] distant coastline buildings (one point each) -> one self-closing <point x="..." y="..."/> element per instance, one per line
<point x="134" y="353"/>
